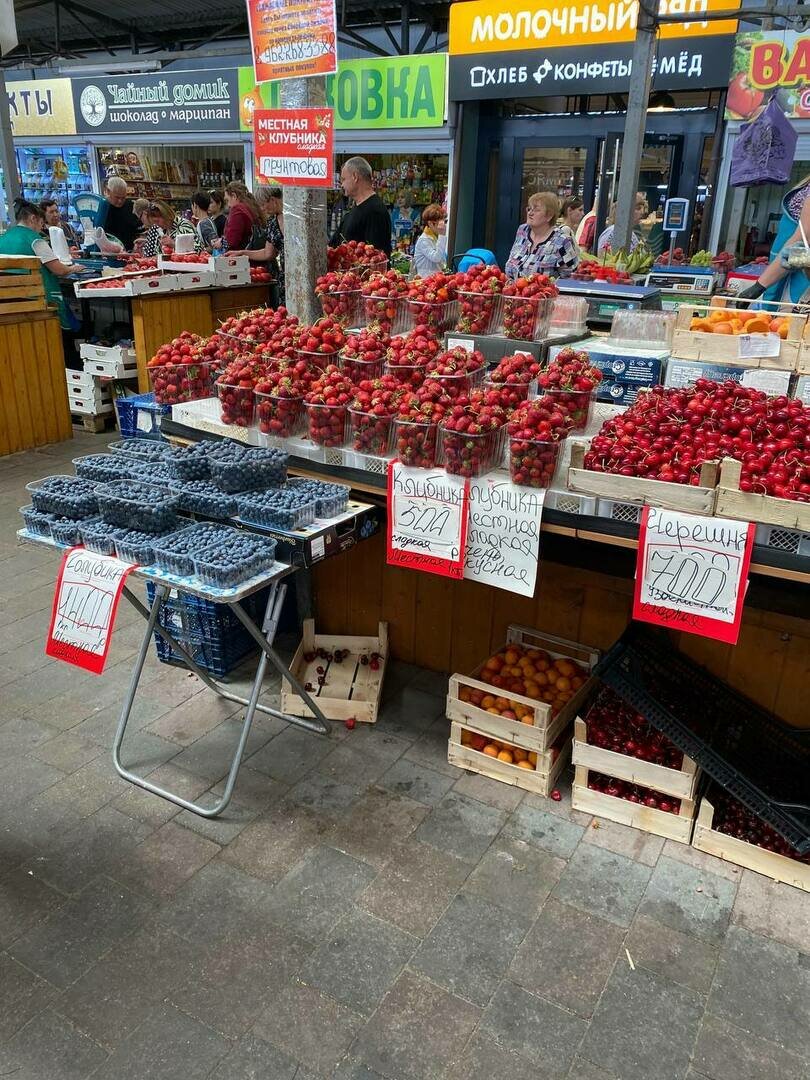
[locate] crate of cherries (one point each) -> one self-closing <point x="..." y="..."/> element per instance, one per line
<point x="472" y="436"/>
<point x="432" y="301"/>
<point x="457" y="370"/>
<point x="363" y="355"/>
<point x="535" y="431"/>
<point x="527" y="307"/>
<point x="370" y="414"/>
<point x="416" y="424"/>
<point x="480" y="303"/>
<point x="409" y="353"/>
<point x="571" y="379"/>
<point x="384" y="301"/>
<point x="327" y="404"/>
<point x="339" y="294"/>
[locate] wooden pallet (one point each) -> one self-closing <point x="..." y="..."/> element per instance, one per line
<point x="352" y="689"/>
<point x="725" y="349"/>
<point x="636" y="489"/>
<point x="539" y="781"/>
<point x="22" y="290"/>
<point x="730" y="849"/>
<point x="646" y="818"/>
<point x="747" y="506"/>
<point x="681" y="783"/>
<point x="94" y="423"/>
<point x="542" y="732"/>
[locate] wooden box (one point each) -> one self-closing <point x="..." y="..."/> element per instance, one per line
<point x="803" y="360"/>
<point x="748" y="506"/>
<point x="23" y="290"/>
<point x="647" y="818"/>
<point x="352" y="689"/>
<point x="740" y="852"/>
<point x="540" y="781"/>
<point x="637" y="489"/>
<point x="681" y="783"/>
<point x="725" y="348"/>
<point x="545" y="727"/>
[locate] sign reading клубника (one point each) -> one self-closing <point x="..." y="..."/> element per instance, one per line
<point x="692" y="572"/>
<point x="294" y="146"/>
<point x="537" y="48"/>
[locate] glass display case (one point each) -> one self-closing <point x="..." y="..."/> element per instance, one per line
<point x="55" y="172"/>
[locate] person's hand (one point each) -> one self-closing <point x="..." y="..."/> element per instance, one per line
<point x="751" y="292"/>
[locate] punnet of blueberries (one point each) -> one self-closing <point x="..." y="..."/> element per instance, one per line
<point x="65" y="496"/>
<point x="144" y="449"/>
<point x="99" y="537"/>
<point x="66" y="531"/>
<point x="203" y="497"/>
<point x="36" y="522"/>
<point x="284" y="508"/>
<point x="136" y="546"/>
<point x="136" y="505"/>
<point x="241" y="557"/>
<point x="103" y="467"/>
<point x="330" y="499"/>
<point x="248" y="468"/>
<point x="189" y="462"/>
<point x="175" y="552"/>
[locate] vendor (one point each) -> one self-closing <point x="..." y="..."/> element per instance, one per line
<point x="778" y="282"/>
<point x="53" y="219"/>
<point x="540" y="246"/>
<point x="165" y="222"/>
<point x="116" y="215"/>
<point x="368" y="221"/>
<point x="25" y="238"/>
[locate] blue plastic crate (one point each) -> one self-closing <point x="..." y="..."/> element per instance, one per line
<point x="139" y="417"/>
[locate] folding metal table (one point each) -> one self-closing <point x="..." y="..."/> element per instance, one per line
<point x="263" y="635"/>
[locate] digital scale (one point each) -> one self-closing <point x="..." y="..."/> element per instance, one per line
<point x="605" y="299"/>
<point x="678" y="283"/>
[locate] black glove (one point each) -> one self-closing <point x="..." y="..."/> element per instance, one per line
<point x="753" y="292"/>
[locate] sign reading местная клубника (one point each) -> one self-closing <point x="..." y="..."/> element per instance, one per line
<point x="540" y="48"/>
<point x="170" y="101"/>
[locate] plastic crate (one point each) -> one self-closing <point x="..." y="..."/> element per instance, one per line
<point x="139" y="416"/>
<point x="781" y="538"/>
<point x="210" y="632"/>
<point x="762" y="762"/>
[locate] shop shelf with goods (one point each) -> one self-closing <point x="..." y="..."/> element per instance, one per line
<point x="55" y="172"/>
<point x="172" y="173"/>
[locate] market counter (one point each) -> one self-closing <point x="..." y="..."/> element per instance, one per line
<point x="34" y="408"/>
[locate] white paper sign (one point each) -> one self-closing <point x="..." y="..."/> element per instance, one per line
<point x="753" y="346"/>
<point x="503" y="534"/>
<point x="461" y="343"/>
<point x="427" y="520"/>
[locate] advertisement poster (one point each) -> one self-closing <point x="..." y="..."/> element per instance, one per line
<point x="768" y="63"/>
<point x="292" y="38"/>
<point x="170" y="101"/>
<point x="294" y="146"/>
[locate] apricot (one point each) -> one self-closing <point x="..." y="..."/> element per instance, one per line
<point x="504" y="755"/>
<point x="466" y="737"/>
<point x="465" y="694"/>
<point x="487" y="701"/>
<point x="478" y="741"/>
<point x="511" y="656"/>
<point x="507" y="714"/>
<point x="491" y="750"/>
<point x="758" y="326"/>
<point x="533" y="757"/>
<point x="525" y="765"/>
<point x="528" y="719"/>
<point x="519" y="754"/>
<point x="565" y="667"/>
<point x="723" y="328"/>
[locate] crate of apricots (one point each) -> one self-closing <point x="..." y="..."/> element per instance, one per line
<point x="528" y="692"/>
<point x="532" y="770"/>
<point x="731" y="335"/>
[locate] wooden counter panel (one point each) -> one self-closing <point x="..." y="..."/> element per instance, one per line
<point x="34" y="408"/>
<point x="158" y="319"/>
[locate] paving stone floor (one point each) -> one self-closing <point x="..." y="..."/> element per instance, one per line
<point x="362" y="910"/>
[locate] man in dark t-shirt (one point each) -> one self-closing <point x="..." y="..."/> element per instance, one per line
<point x="119" y="220"/>
<point x="368" y="220"/>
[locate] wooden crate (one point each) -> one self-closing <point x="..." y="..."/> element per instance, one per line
<point x="545" y="727"/>
<point x="681" y="783"/>
<point x="23" y="290"/>
<point x="729" y="848"/>
<point x="803" y="360"/>
<point x="637" y="489"/>
<point x="352" y="689"/>
<point x="646" y="818"/>
<point x="747" y="506"/>
<point x="725" y="349"/>
<point x="539" y="781"/>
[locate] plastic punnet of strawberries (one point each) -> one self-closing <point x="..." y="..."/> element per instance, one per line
<point x="235" y="388"/>
<point x="326" y="404"/>
<point x="339" y="294"/>
<point x="363" y="355"/>
<point x="472" y="436"/>
<point x="321" y="342"/>
<point x="280" y="403"/>
<point x="457" y="370"/>
<point x="668" y="434"/>
<point x="524" y="313"/>
<point x="409" y="353"/>
<point x="536" y="429"/>
<point x="370" y="414"/>
<point x="354" y="253"/>
<point x="479" y="294"/>
<point x="431" y="301"/>
<point x="417" y="424"/>
<point x="257" y="325"/>
<point x="513" y="377"/>
<point x="179" y="370"/>
<point x="572" y="379"/>
<point x="383" y="296"/>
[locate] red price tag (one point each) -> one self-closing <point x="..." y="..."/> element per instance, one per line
<point x="427" y="520"/>
<point x="292" y="38"/>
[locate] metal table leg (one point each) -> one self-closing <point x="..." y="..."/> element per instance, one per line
<point x="264" y="639"/>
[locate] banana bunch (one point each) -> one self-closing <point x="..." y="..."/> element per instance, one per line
<point x="587" y="257"/>
<point x="701" y="258"/>
<point x="640" y="260"/>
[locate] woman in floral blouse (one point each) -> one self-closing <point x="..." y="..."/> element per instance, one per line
<point x="540" y="246"/>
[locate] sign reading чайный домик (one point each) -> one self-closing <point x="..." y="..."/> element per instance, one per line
<point x="171" y="101"/>
<point x="764" y="63"/>
<point x="386" y="92"/>
<point x="537" y="48"/>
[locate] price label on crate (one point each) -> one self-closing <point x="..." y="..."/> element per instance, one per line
<point x="88" y="589"/>
<point x="427" y="520"/>
<point x="692" y="572"/>
<point x="503" y="535"/>
<point x="753" y="346"/>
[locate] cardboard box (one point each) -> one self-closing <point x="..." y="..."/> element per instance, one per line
<point x="309" y="545"/>
<point x="625" y="371"/>
<point x="687" y="372"/>
<point x="109" y="361"/>
<point x="134" y="286"/>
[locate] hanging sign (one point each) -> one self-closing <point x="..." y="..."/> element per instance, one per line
<point x="294" y="146"/>
<point x="692" y="572"/>
<point x="88" y="589"/>
<point x="503" y="535"/>
<point x="292" y="38"/>
<point x="773" y="62"/>
<point x="427" y="520"/>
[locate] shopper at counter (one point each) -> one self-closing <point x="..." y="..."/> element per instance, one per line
<point x="24" y="238"/>
<point x="164" y="222"/>
<point x="778" y="282"/>
<point x="368" y="220"/>
<point x="53" y="218"/>
<point x="640" y="211"/>
<point x="541" y="247"/>
<point x="430" y="250"/>
<point x="571" y="214"/>
<point x="206" y="229"/>
<point x="271" y="204"/>
<point x="244" y="228"/>
<point x="117" y="217"/>
<point x="219" y="215"/>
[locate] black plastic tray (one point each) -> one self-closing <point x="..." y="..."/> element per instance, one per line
<point x="760" y="760"/>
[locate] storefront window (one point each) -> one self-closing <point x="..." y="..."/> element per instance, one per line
<point x="173" y="173"/>
<point x="560" y="169"/>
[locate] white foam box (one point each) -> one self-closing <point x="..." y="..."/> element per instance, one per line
<point x="227" y="277"/>
<point x="232" y="262"/>
<point x="625" y="371"/>
<point x="94" y="402"/>
<point x="166" y="262"/>
<point x="109" y="361"/>
<point x="802" y="389"/>
<point x="197" y="279"/>
<point x="96" y="392"/>
<point x="80" y="380"/>
<point x="686" y="373"/>
<point x="134" y="286"/>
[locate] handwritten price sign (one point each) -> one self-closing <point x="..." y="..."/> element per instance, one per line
<point x="503" y="536"/>
<point x="427" y="520"/>
<point x="84" y="606"/>
<point x="692" y="573"/>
